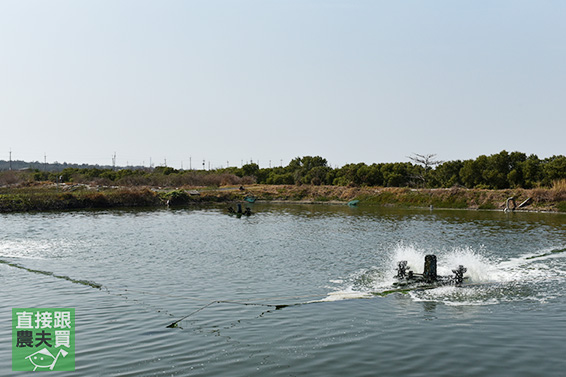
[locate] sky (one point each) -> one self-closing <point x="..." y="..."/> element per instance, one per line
<point x="232" y="81"/>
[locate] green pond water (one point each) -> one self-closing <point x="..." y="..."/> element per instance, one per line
<point x="130" y="274"/>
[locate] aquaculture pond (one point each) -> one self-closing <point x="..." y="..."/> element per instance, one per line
<point x="292" y="290"/>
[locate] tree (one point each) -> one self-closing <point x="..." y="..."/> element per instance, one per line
<point x="427" y="161"/>
<point x="317" y="175"/>
<point x="516" y="177"/>
<point x="471" y="172"/>
<point x="554" y="169"/>
<point x="301" y="167"/>
<point x="447" y="174"/>
<point x="532" y="171"/>
<point x="498" y="167"/>
<point x="395" y="174"/>
<point x="250" y="170"/>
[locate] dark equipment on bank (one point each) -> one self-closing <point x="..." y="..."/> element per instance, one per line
<point x="406" y="277"/>
<point x="238" y="212"/>
<point x="250" y="198"/>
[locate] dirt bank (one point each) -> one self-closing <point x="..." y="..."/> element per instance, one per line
<point x="59" y="197"/>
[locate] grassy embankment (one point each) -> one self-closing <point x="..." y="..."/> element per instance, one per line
<point x="45" y="197"/>
<point x="51" y="197"/>
<point x="553" y="199"/>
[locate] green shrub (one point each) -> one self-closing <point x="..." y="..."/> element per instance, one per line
<point x="177" y="197"/>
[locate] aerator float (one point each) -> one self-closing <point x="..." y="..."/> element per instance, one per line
<point x="406" y="277"/>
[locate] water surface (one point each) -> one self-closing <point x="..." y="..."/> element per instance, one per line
<point x="327" y="262"/>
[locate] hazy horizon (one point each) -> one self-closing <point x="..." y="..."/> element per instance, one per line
<point x="230" y="82"/>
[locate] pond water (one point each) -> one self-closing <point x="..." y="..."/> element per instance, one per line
<point x="327" y="265"/>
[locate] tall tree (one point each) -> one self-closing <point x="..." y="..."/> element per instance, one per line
<point x="427" y="162"/>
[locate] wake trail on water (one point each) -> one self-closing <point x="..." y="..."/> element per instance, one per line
<point x="489" y="280"/>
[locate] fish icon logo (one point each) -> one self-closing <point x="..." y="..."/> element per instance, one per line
<point x="44" y="359"/>
<point x="43" y="339"/>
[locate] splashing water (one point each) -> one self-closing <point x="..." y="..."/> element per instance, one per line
<point x="479" y="268"/>
<point x="489" y="281"/>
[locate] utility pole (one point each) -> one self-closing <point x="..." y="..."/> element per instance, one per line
<point x="10" y="159"/>
<point x="114" y="161"/>
<point x="190" y="163"/>
<point x="44" y="161"/>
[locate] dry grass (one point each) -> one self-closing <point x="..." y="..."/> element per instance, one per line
<point x="555" y="194"/>
<point x="43" y="197"/>
<point x="541" y="199"/>
<point x="559" y="185"/>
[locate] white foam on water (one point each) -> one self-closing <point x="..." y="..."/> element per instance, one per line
<point x="540" y="255"/>
<point x="347" y="294"/>
<point x="337" y="281"/>
<point x="479" y="269"/>
<point x="541" y="266"/>
<point x="360" y="284"/>
<point x="489" y="281"/>
<point x="409" y="253"/>
<point x="455" y="296"/>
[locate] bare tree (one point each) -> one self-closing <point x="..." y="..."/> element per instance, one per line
<point x="427" y="161"/>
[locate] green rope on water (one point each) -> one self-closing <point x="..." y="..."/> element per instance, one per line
<point x="546" y="254"/>
<point x="281" y="306"/>
<point x="49" y="273"/>
<point x="174" y="324"/>
<point x="277" y="307"/>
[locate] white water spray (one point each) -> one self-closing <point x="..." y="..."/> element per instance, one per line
<point x="479" y="268"/>
<point x="488" y="282"/>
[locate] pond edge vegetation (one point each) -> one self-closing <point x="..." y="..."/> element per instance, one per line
<point x="484" y="183"/>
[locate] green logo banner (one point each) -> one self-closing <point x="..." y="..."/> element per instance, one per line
<point x="43" y="339"/>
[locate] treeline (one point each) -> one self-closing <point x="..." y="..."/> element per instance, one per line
<point x="498" y="171"/>
<point x="156" y="177"/>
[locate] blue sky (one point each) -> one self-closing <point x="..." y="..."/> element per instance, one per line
<point x="227" y="81"/>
